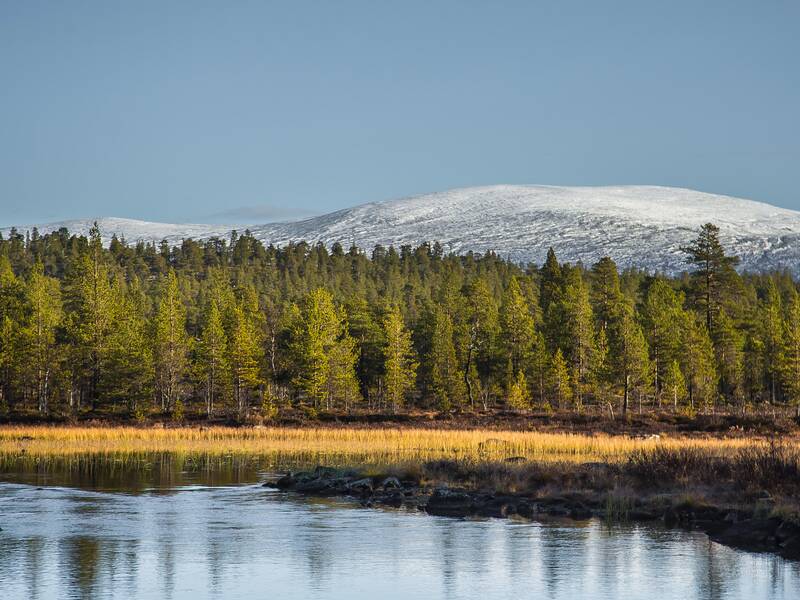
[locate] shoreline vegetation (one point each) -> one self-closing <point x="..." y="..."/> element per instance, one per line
<point x="741" y="490"/>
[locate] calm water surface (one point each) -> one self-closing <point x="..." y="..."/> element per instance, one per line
<point x="215" y="533"/>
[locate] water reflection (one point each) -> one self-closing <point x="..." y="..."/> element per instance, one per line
<point x="249" y="542"/>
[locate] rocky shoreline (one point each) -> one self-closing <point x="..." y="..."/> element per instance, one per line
<point x="735" y="527"/>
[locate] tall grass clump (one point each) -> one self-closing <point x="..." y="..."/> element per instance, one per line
<point x="772" y="466"/>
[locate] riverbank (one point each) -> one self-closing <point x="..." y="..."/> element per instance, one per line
<point x="748" y="500"/>
<point x="592" y="420"/>
<point x="743" y="490"/>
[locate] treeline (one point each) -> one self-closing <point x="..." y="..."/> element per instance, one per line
<point x="233" y="328"/>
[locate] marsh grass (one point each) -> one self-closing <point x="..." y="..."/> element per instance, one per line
<point x="356" y="445"/>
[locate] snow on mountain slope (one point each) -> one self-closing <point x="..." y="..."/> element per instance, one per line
<point x="130" y="229"/>
<point x="641" y="226"/>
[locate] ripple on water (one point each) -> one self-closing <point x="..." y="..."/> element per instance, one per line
<point x="201" y="541"/>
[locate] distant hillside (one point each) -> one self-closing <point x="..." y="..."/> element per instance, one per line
<point x="636" y="225"/>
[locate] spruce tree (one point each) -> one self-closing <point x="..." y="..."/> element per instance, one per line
<point x="519" y="398"/>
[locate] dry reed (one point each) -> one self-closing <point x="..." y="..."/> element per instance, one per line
<point x="386" y="445"/>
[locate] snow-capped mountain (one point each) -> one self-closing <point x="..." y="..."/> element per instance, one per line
<point x="641" y="226"/>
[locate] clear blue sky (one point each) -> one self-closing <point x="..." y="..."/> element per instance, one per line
<point x="240" y="111"/>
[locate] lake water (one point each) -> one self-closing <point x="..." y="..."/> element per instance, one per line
<point x="208" y="533"/>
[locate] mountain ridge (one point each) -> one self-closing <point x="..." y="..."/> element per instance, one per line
<point x="642" y="226"/>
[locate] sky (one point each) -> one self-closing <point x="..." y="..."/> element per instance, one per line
<point x="246" y="112"/>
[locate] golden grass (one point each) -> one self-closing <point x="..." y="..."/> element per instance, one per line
<point x="378" y="445"/>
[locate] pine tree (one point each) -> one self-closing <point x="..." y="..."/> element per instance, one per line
<point x="214" y="367"/>
<point x="130" y="351"/>
<point x="400" y="363"/>
<point x="674" y="383"/>
<point x="664" y="322"/>
<point x="41" y="353"/>
<point x="629" y="355"/>
<point x="728" y="347"/>
<point x="539" y="367"/>
<point x="343" y="389"/>
<point x="577" y="337"/>
<point x="517" y="325"/>
<point x="790" y="365"/>
<point x="325" y="351"/>
<point x="90" y="301"/>
<point x="559" y="380"/>
<point x="244" y="352"/>
<point x="171" y="345"/>
<point x="319" y="329"/>
<point x="550" y="281"/>
<point x="12" y="301"/>
<point x="366" y="332"/>
<point x="447" y="385"/>
<point x="482" y="321"/>
<point x="602" y="375"/>
<point x="714" y="270"/>
<point x="771" y="334"/>
<point x="697" y="363"/>
<point x="606" y="292"/>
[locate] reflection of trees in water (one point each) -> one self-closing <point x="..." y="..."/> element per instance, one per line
<point x="320" y="543"/>
<point x="219" y="542"/>
<point x="34" y="564"/>
<point x="562" y="552"/>
<point x="715" y="567"/>
<point x="135" y="471"/>
<point x="166" y="564"/>
<point x="80" y="560"/>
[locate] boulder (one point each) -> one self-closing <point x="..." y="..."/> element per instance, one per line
<point x="750" y="534"/>
<point x="360" y="486"/>
<point x="786" y="531"/>
<point x="790" y="548"/>
<point x="391" y="483"/>
<point x="449" y="503"/>
<point x="286" y="482"/>
<point x="315" y="486"/>
<point x="394" y="499"/>
<point x="498" y="507"/>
